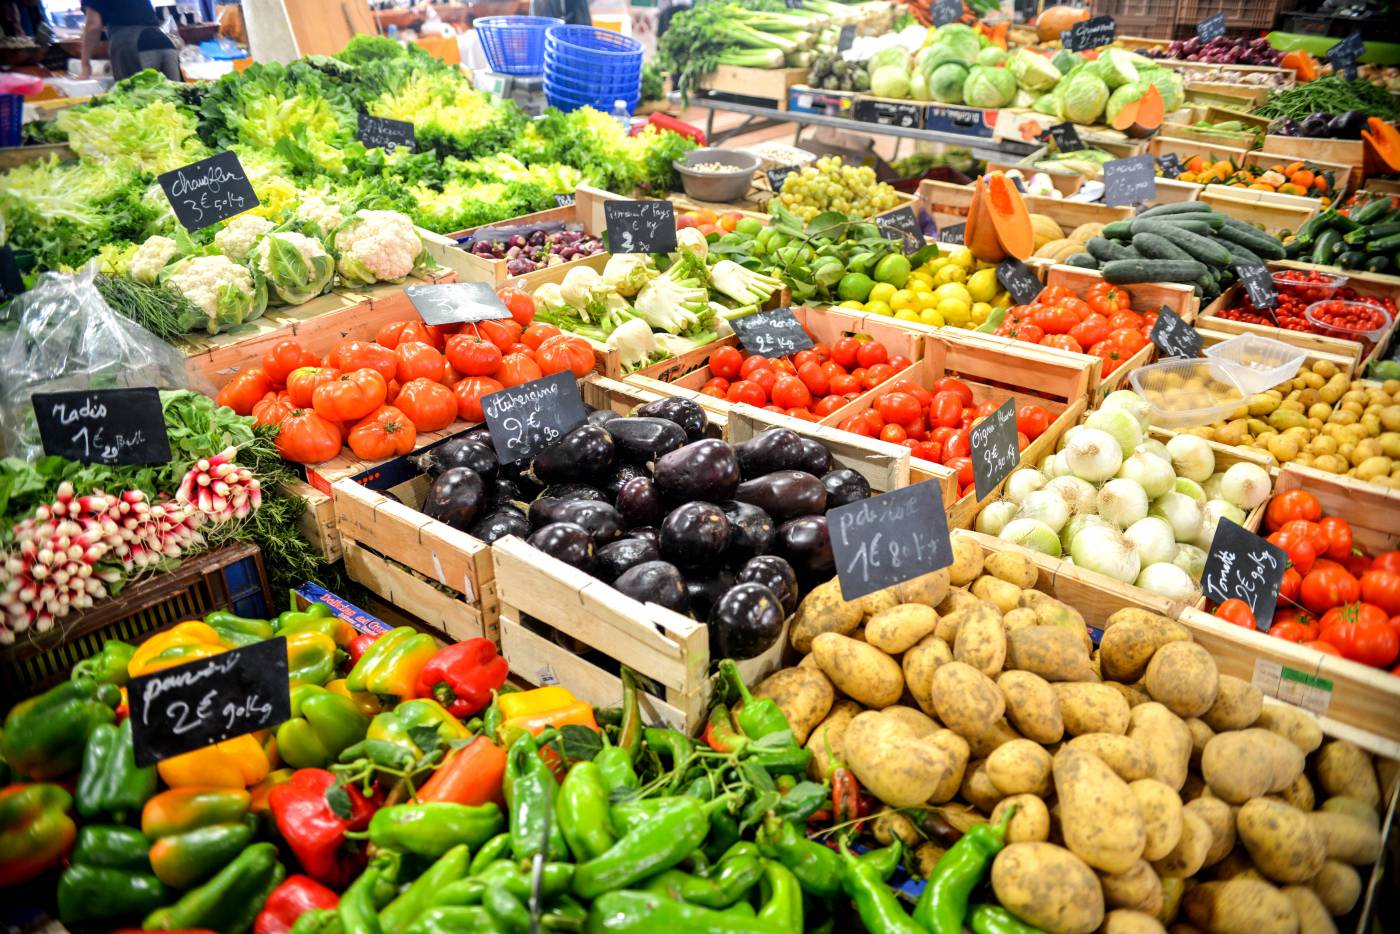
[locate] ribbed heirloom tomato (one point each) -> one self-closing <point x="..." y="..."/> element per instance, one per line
<point x="283" y="358"/>
<point x="245" y="390"/>
<point x="1295" y="504"/>
<point x="417" y="359"/>
<point x="398" y="332"/>
<point x="1327" y="585"/>
<point x="429" y="405"/>
<point x="565" y="352"/>
<point x="471" y="355"/>
<point x="386" y="432"/>
<point x="355" y="355"/>
<point x="1361" y="633"/>
<point x="470" y="390"/>
<point x="350" y="396"/>
<point x="307" y="438"/>
<point x="518" y="368"/>
<point x="302" y="382"/>
<point x="1236" y="612"/>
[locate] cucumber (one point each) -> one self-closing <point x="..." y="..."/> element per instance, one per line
<point x="1156" y="224"/>
<point x="1179" y="207"/>
<point x="1256" y="241"/>
<point x="1083" y="260"/>
<point x="1200" y="247"/>
<point x="1119" y="230"/>
<point x="1240" y="255"/>
<point x="1105" y="250"/>
<point x="1379" y="263"/>
<point x="1154" y="246"/>
<point x="1371" y="211"/>
<point x="1128" y="271"/>
<point x="1294" y="249"/>
<point x="1353" y="259"/>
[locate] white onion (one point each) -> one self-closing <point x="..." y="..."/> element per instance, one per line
<point x="1122" y="425"/>
<point x="1166" y="580"/>
<point x="1077" y="493"/>
<point x="1077" y="524"/>
<point x="1045" y="506"/>
<point x="1149" y="471"/>
<point x="1023" y="482"/>
<point x="1032" y="534"/>
<point x="1182" y="513"/>
<point x="1211" y="486"/>
<point x="1054" y="466"/>
<point x="991" y="519"/>
<point x="1154" y="539"/>
<point x="1206" y="535"/>
<point x="1093" y="455"/>
<point x="1121" y="502"/>
<point x="1107" y="551"/>
<point x="1190" y="559"/>
<point x="1192" y="457"/>
<point x="1191" y="488"/>
<point x="1246" y="485"/>
<point x="1130" y="402"/>
<point x="1067" y="436"/>
<point x="1153" y="446"/>
<point x="1216" y="508"/>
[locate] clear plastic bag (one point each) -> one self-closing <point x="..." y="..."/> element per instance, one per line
<point x="67" y="337"/>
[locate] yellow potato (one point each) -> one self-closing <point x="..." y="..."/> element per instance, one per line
<point x="982" y="643"/>
<point x="1020" y="767"/>
<point x="926" y="857"/>
<point x="1161" y="816"/>
<point x="878" y="602"/>
<point x="927" y="589"/>
<point x="824" y="610"/>
<point x="895" y="630"/>
<point x="1031" y="706"/>
<point x="1133" y="694"/>
<point x="953" y="750"/>
<point x="889" y="760"/>
<point x="918" y="665"/>
<point x="1189" y="854"/>
<point x="951" y="624"/>
<point x="988" y="741"/>
<point x="1200" y="735"/>
<point x="825" y="741"/>
<point x="978" y="789"/>
<point x="966" y="700"/>
<point x="1030" y="823"/>
<point x="1237" y="705"/>
<point x="1123" y="921"/>
<point x="955" y="600"/>
<point x="860" y="671"/>
<point x="1344" y="769"/>
<point x="1220" y="818"/>
<point x="967" y="561"/>
<point x="1346" y="838"/>
<point x="1056" y="653"/>
<point x="1183" y="677"/>
<point x="920" y="723"/>
<point x="1127" y="756"/>
<point x="1049" y="887"/>
<point x="1137" y="888"/>
<point x="1240" y="906"/>
<point x="1012" y="568"/>
<point x="890" y="825"/>
<point x="805" y="696"/>
<point x="1173" y="890"/>
<point x="1300" y="794"/>
<point x="1249" y="763"/>
<point x="1280" y="840"/>
<point x="1023" y="617"/>
<point x="1338" y="885"/>
<point x="1341" y="804"/>
<point x="1099" y="815"/>
<point x="1312" y="913"/>
<point x="996" y="591"/>
<point x="1129" y="645"/>
<point x="1087" y="707"/>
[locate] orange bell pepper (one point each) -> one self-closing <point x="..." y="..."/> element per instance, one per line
<point x="234" y="763"/>
<point x="471" y="775"/>
<point x="182" y="643"/>
<point x="365" y="702"/>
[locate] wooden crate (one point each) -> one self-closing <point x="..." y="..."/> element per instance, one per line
<point x="1238" y="140"/>
<point x="1185" y="149"/>
<point x="1276" y="213"/>
<point x="1070" y="214"/>
<point x="387" y="544"/>
<point x="1348" y="152"/>
<point x="1221" y="114"/>
<point x="560" y="625"/>
<point x="766" y="83"/>
<point x="318" y="325"/>
<point x="1174" y="191"/>
<point x="1247" y="96"/>
<point x="317" y="522"/>
<point x="14" y="156"/>
<point x="587" y="210"/>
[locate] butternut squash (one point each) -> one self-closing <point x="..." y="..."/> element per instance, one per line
<point x="1059" y="250"/>
<point x="1012" y="224"/>
<point x="980" y="235"/>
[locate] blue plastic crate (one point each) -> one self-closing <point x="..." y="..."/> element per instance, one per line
<point x="11" y="119"/>
<point x="245" y="589"/>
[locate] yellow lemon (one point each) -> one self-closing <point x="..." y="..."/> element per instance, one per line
<point x="953" y="290"/>
<point x="981" y="311"/>
<point x="881" y="294"/>
<point x="1003" y="300"/>
<point x="935" y="264"/>
<point x="982" y="285"/>
<point x="963" y="257"/>
<point x="954" y="311"/>
<point x="950" y="273"/>
<point x="922" y="275"/>
<point x="878" y="308"/>
<point x="926" y="300"/>
<point x="931" y="318"/>
<point x="919" y="285"/>
<point x="858" y="306"/>
<point x="907" y="314"/>
<point x="902" y="299"/>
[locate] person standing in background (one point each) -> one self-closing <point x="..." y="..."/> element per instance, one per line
<point x="572" y="12"/>
<point x="134" y="39"/>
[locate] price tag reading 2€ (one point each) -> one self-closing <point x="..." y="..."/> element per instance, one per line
<point x="889" y="539"/>
<point x="528" y="418"/>
<point x="640" y="226"/>
<point x="1242" y="565"/>
<point x="995" y="448"/>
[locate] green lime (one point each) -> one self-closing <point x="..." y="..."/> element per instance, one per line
<point x="855" y="287"/>
<point x="893" y="269"/>
<point x="750" y="226"/>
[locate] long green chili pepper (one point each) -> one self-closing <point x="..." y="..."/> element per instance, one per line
<point x="530" y="790"/>
<point x="878" y="907"/>
<point x="817" y="867"/>
<point x="758" y="716"/>
<point x="629" y="735"/>
<point x="885" y="860"/>
<point x="505" y="909"/>
<point x="490" y="851"/>
<point x="582" y="809"/>
<point x="782" y="898"/>
<point x="943" y="905"/>
<point x="658" y="845"/>
<point x="994" y="919"/>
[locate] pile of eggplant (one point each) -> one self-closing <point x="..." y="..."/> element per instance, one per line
<point x="731" y="535"/>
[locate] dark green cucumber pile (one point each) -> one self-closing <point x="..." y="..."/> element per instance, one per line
<point x="1367" y="240"/>
<point x="1189" y="243"/>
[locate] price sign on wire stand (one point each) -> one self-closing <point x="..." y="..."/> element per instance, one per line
<point x="526" y="419"/>
<point x="777" y="176"/>
<point x="889" y="539"/>
<point x="772" y="333"/>
<point x="1129" y="181"/>
<point x="995" y="448"/>
<point x="1174" y="337"/>
<point x="846" y="38"/>
<point x="103" y="426"/>
<point x="1242" y="565"/>
<point x="207" y="701"/>
<point x="208" y="191"/>
<point x="640" y="226"/>
<point x="1258" y="282"/>
<point x="457" y="303"/>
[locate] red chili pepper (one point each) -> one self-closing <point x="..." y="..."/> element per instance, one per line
<point x="720" y="734"/>
<point x="297" y="895"/>
<point x="461" y="677"/>
<point x="845" y="795"/>
<point x="313" y="831"/>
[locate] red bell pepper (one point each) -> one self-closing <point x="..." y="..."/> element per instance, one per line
<point x="289" y="901"/>
<point x="356" y="647"/>
<point x="461" y="677"/>
<point x="314" y="831"/>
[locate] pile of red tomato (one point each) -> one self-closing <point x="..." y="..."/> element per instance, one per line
<point x="375" y="396"/>
<point x="1101" y="323"/>
<point x="810" y="384"/>
<point x="1333" y="598"/>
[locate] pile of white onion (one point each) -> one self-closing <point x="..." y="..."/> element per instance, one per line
<point x="1115" y="501"/>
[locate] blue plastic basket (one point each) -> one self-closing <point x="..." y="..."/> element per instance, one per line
<point x="567" y="101"/>
<point x="593" y="51"/>
<point x="11" y="119"/>
<point x="590" y="85"/>
<point x="514" y="45"/>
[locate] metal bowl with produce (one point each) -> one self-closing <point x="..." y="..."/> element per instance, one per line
<point x="717" y="174"/>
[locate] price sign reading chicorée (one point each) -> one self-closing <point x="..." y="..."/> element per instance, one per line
<point x="889" y="539"/>
<point x="640" y="226"/>
<point x="103" y="426"/>
<point x="528" y="418"/>
<point x="383" y="133"/>
<point x="457" y="303"/>
<point x="208" y="191"/>
<point x="203" y="702"/>
<point x="995" y="448"/>
<point x="772" y="333"/>
<point x="1174" y="337"/>
<point x="1242" y="565"/>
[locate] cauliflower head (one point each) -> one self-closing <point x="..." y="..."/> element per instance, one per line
<point x="225" y="291"/>
<point x="379" y="246"/>
<point x="323" y="214"/>
<point x="150" y="258"/>
<point x="297" y="267"/>
<point x="239" y="235"/>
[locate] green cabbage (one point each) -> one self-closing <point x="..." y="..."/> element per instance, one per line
<point x="889" y="81"/>
<point x="1083" y="97"/>
<point x="960" y="40"/>
<point x="1115" y="67"/>
<point x="989" y="87"/>
<point x="946" y="83"/>
<point x="1065" y="60"/>
<point x="1033" y="71"/>
<point x="991" y="56"/>
<point x="918" y="86"/>
<point x="890" y="55"/>
<point x="1050" y="104"/>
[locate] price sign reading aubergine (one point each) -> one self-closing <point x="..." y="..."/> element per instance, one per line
<point x="889" y="539"/>
<point x="207" y="701"/>
<point x="995" y="448"/>
<point x="526" y="419"/>
<point x="1242" y="565"/>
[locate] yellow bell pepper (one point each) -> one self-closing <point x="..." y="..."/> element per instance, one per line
<point x="310" y="658"/>
<point x="365" y="702"/>
<point x="234" y="763"/>
<point x="529" y="703"/>
<point x="189" y="633"/>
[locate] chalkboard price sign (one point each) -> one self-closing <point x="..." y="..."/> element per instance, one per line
<point x="1018" y="279"/>
<point x="208" y="191"/>
<point x="103" y="426"/>
<point x="888" y="113"/>
<point x="846" y="38"/>
<point x="1344" y="55"/>
<point x="207" y="701"/>
<point x="995" y="448"/>
<point x="772" y="333"/>
<point x="1243" y="565"/>
<point x="946" y="11"/>
<point x="11" y="281"/>
<point x="1212" y="27"/>
<point x="1174" y="337"/>
<point x="1170" y="165"/>
<point x="1089" y="34"/>
<point x="1259" y="283"/>
<point x="457" y="302"/>
<point x="889" y="539"/>
<point x="640" y="226"/>
<point x="563" y="201"/>
<point x="901" y="224"/>
<point x="528" y="418"/>
<point x="952" y="234"/>
<point x="1066" y="137"/>
<point x="383" y="133"/>
<point x="777" y="176"/>
<point x="1129" y="181"/>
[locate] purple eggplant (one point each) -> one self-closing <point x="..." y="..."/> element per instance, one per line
<point x="704" y="470"/>
<point x="805" y="544"/>
<point x="701" y="592"/>
<point x="770" y="451"/>
<point x="619" y="476"/>
<point x="566" y="541"/>
<point x="600" y="519"/>
<point x="751" y="530"/>
<point x="844" y="486"/>
<point x="695" y="534"/>
<point x="745" y="622"/>
<point x="498" y="525"/>
<point x="584" y="452"/>
<point x="645" y="439"/>
<point x="784" y="494"/>
<point x="816" y="459"/>
<point x="647" y="533"/>
<point x="638" y="503"/>
<point x="616" y="558"/>
<point x="654" y="582"/>
<point x="775" y="574"/>
<point x="683" y="412"/>
<point x="456" y="497"/>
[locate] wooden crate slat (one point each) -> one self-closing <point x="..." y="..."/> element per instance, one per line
<point x="1272" y="211"/>
<point x="885" y="465"/>
<point x="455" y="619"/>
<point x="317" y="520"/>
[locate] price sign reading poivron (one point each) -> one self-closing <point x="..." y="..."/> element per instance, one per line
<point x="889" y="539"/>
<point x="528" y="418"/>
<point x="772" y="333"/>
<point x="203" y="702"/>
<point x="208" y="191"/>
<point x="640" y="226"/>
<point x="103" y="426"/>
<point x="1242" y="565"/>
<point x="995" y="448"/>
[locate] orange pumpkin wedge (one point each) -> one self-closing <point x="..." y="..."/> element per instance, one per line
<point x="1142" y="116"/>
<point x="1010" y="219"/>
<point x="1384" y="140"/>
<point x="980" y="235"/>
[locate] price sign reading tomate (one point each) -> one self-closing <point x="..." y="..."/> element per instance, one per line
<point x="103" y="426"/>
<point x="1242" y="565"/>
<point x="995" y="448"/>
<point x="1020" y="280"/>
<point x="208" y="191"/>
<point x="528" y="418"/>
<point x="889" y="539"/>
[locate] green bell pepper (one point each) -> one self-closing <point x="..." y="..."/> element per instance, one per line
<point x="35" y="830"/>
<point x="398" y="726"/>
<point x="45" y="735"/>
<point x="454" y="920"/>
<point x="109" y="877"/>
<point x="109" y="666"/>
<point x="229" y="902"/>
<point x="431" y="829"/>
<point x="322" y="726"/>
<point x="237" y="631"/>
<point x="112" y="846"/>
<point x="109" y="780"/>
<point x="316" y="618"/>
<point x="185" y="859"/>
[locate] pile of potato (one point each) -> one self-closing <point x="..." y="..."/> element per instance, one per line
<point x="1323" y="420"/>
<point x="1150" y="790"/>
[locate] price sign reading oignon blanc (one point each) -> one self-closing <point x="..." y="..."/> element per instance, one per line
<point x="103" y="426"/>
<point x="889" y="539"/>
<point x="526" y="419"/>
<point x="208" y="191"/>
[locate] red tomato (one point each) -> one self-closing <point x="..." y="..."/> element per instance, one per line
<point x="717" y="382"/>
<point x="1236" y="612"/>
<point x="1033" y="420"/>
<point x="1090" y="330"/>
<point x="746" y="391"/>
<point x="1352" y="613"/>
<point x="715" y="391"/>
<point x="565" y="352"/>
<point x="828" y="404"/>
<point x="899" y="408"/>
<point x="1292" y="632"/>
<point x="872" y="352"/>
<point x="351" y="396"/>
<point x="814" y="377"/>
<point x="1361" y="633"/>
<point x="1032" y="333"/>
<point x="1130" y="340"/>
<point x="1054" y="320"/>
<point x="1337" y="533"/>
<point x="752" y="363"/>
<point x="1063" y="342"/>
<point x="951" y="384"/>
<point x="963" y="465"/>
<point x="845" y="350"/>
<point x="832" y="369"/>
<point x="520" y="305"/>
<point x="804" y="414"/>
<point x="1312" y="531"/>
<point x="245" y="390"/>
<point x="726" y="362"/>
<point x="537" y="334"/>
<point x="877" y="374"/>
<point x="929" y="451"/>
<point x="845" y="384"/>
<point x="1291" y="583"/>
<point x="429" y="405"/>
<point x="904" y="384"/>
<point x="417" y="359"/>
<point x="302" y="382"/>
<point x="283" y="358"/>
<point x="764" y="379"/>
<point x="791" y="393"/>
<point x="872" y="420"/>
<point x="855" y="425"/>
<point x="470" y="390"/>
<point x="1326" y="586"/>
<point x="804" y="357"/>
<point x="946" y="409"/>
<point x="350" y="355"/>
<point x="900" y="363"/>
<point x="1383" y="589"/>
<point x="893" y="433"/>
<point x="1295" y="504"/>
<point x="959" y="444"/>
<point x="1388" y="561"/>
<point x="516" y="368"/>
<point x="396" y="332"/>
<point x="502" y="333"/>
<point x="1296" y="542"/>
<point x="472" y="356"/>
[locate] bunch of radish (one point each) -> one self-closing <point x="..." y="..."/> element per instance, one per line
<point x="219" y="489"/>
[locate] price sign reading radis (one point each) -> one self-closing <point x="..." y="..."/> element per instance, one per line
<point x="528" y="418"/>
<point x="103" y="426"/>
<point x="208" y="191"/>
<point x="889" y="539"/>
<point x="208" y="701"/>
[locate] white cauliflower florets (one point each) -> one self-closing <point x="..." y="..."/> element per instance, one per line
<point x="150" y="258"/>
<point x="239" y="235"/>
<point x="377" y="246"/>
<point x="224" y="290"/>
<point x="322" y="213"/>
